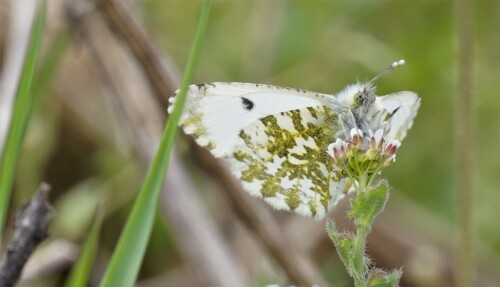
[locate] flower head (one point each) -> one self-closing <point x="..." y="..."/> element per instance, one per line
<point x="363" y="156"/>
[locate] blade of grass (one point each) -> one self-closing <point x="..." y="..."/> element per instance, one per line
<point x="23" y="106"/>
<point x="79" y="276"/>
<point x="127" y="257"/>
<point x="50" y="63"/>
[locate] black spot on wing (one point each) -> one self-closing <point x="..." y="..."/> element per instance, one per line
<point x="247" y="104"/>
<point x="393" y="112"/>
<point x="204" y="86"/>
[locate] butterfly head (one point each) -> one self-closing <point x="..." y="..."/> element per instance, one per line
<point x="364" y="97"/>
<point x="356" y="97"/>
<point x="355" y="104"/>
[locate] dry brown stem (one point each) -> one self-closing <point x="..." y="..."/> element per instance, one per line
<point x="30" y="229"/>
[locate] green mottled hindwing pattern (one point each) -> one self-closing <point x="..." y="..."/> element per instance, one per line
<point x="282" y="158"/>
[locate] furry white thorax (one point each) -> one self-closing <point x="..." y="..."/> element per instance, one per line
<point x="355" y="105"/>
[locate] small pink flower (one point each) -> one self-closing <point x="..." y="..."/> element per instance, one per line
<point x="377" y="139"/>
<point x="391" y="147"/>
<point x="363" y="155"/>
<point x="356" y="137"/>
<point x="337" y="150"/>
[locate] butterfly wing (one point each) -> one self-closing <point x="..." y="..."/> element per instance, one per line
<point x="215" y="113"/>
<point x="399" y="110"/>
<point x="275" y="139"/>
<point x="282" y="158"/>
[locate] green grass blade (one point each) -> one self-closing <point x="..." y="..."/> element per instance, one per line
<point x="127" y="257"/>
<point x="23" y="106"/>
<point x="79" y="276"/>
<point x="50" y="63"/>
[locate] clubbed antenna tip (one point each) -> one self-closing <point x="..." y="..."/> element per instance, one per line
<point x="391" y="67"/>
<point x="397" y="64"/>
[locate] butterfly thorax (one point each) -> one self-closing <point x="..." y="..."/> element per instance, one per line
<point x="356" y="108"/>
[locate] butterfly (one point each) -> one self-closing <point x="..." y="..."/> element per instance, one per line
<point x="275" y="138"/>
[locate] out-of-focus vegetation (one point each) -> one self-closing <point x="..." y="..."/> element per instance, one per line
<point x="22" y="108"/>
<point x="129" y="252"/>
<point x="80" y="138"/>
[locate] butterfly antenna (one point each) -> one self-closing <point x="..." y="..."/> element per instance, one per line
<point x="391" y="67"/>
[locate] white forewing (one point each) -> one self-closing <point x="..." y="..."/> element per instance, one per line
<point x="400" y="108"/>
<point x="216" y="113"/>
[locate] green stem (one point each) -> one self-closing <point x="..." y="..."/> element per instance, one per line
<point x="372" y="177"/>
<point x="358" y="252"/>
<point x="359" y="255"/>
<point x="363" y="181"/>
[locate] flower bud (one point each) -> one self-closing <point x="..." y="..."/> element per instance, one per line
<point x="356" y="137"/>
<point x="378" y="139"/>
<point x="391" y="147"/>
<point x="337" y="150"/>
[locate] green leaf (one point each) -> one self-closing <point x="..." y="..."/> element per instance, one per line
<point x="79" y="276"/>
<point x="127" y="257"/>
<point x="23" y="105"/>
<point x="367" y="205"/>
<point x="344" y="243"/>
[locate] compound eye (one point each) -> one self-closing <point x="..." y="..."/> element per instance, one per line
<point x="359" y="98"/>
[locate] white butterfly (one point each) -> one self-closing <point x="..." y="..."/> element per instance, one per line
<point x="276" y="138"/>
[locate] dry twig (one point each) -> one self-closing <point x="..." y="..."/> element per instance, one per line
<point x="31" y="225"/>
<point x="158" y="69"/>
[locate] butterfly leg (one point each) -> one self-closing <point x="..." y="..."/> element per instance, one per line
<point x="348" y="122"/>
<point x="345" y="126"/>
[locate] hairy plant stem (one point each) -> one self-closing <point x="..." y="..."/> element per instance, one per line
<point x="361" y="167"/>
<point x="362" y="231"/>
<point x="359" y="254"/>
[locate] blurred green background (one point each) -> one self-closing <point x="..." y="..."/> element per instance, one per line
<point x="78" y="143"/>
